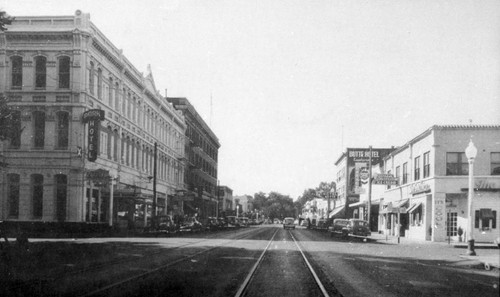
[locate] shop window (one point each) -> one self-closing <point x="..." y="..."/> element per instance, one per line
<point x="13" y="184"/>
<point x="451" y="222"/>
<point x="17" y="72"/>
<point x="456" y="164"/>
<point x="40" y="72"/>
<point x="485" y="219"/>
<point x="61" y="182"/>
<point x="64" y="72"/>
<point x="495" y="163"/>
<point x="37" y="195"/>
<point x="416" y="216"/>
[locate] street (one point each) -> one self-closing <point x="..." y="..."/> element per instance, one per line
<point x="256" y="261"/>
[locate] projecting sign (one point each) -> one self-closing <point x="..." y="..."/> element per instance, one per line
<point x="93" y="117"/>
<point x="385" y="179"/>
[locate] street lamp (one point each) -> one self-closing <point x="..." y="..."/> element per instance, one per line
<point x="471" y="152"/>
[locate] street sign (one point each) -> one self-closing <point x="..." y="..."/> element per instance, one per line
<point x="385" y="179"/>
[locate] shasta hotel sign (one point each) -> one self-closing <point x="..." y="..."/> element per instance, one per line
<point x="93" y="118"/>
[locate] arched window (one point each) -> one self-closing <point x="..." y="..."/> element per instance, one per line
<point x="38" y="129"/>
<point x="13" y="184"/>
<point x="10" y="128"/>
<point x="64" y="72"/>
<point x="117" y="97"/>
<point x="99" y="84"/>
<point x="62" y="130"/>
<point x="37" y="195"/>
<point x="91" y="78"/>
<point x="17" y="72"/>
<point x="40" y="72"/>
<point x="111" y="92"/>
<point x="61" y="183"/>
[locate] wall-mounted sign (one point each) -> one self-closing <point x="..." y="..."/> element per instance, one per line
<point x="420" y="187"/>
<point x="357" y="166"/>
<point x="93" y="117"/>
<point x="385" y="179"/>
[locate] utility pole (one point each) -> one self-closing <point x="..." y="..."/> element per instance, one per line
<point x="153" y="217"/>
<point x="369" y="188"/>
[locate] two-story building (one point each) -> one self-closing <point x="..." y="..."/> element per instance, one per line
<point x="430" y="200"/>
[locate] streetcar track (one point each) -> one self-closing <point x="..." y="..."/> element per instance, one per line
<point x="164" y="266"/>
<point x="243" y="288"/>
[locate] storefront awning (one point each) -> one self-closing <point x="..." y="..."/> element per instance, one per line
<point x="396" y="207"/>
<point x="360" y="203"/>
<point x="486" y="213"/>
<point x="336" y="212"/>
<point x="414" y="207"/>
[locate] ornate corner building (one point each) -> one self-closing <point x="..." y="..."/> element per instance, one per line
<point x="113" y="166"/>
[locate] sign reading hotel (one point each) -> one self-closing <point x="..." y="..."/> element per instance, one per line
<point x="357" y="166"/>
<point x="93" y="117"/>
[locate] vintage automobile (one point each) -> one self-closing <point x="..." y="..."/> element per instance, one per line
<point x="190" y="224"/>
<point x="337" y="226"/>
<point x="289" y="223"/>
<point x="357" y="227"/>
<point x="166" y="224"/>
<point x="232" y="222"/>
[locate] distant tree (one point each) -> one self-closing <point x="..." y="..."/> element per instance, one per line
<point x="5" y="19"/>
<point x="308" y="195"/>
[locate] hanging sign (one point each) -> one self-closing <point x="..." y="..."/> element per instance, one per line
<point x="93" y="117"/>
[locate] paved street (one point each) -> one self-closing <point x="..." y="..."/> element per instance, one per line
<point x="217" y="264"/>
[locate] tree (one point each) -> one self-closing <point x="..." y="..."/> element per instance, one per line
<point x="5" y="19"/>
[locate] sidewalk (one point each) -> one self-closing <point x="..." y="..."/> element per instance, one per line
<point x="487" y="254"/>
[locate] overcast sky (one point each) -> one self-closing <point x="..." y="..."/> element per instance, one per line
<point x="286" y="85"/>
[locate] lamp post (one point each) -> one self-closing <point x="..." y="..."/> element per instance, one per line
<point x="471" y="152"/>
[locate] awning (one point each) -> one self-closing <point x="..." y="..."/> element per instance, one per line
<point x="414" y="207"/>
<point x="396" y="207"/>
<point x="486" y="213"/>
<point x="336" y="212"/>
<point x="360" y="203"/>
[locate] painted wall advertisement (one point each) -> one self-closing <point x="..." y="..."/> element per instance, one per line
<point x="357" y="167"/>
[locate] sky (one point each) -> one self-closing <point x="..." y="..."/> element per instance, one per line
<point x="287" y="85"/>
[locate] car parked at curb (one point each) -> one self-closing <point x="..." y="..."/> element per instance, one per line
<point x="337" y="226"/>
<point x="357" y="227"/>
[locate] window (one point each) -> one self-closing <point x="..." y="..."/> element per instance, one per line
<point x="451" y="222"/>
<point x="64" y="66"/>
<point x="40" y="72"/>
<point x="91" y="78"/>
<point x="99" y="84"/>
<point x="495" y="163"/>
<point x="117" y="97"/>
<point x="61" y="196"/>
<point x="485" y="219"/>
<point x="17" y="72"/>
<point x="62" y="130"/>
<point x="427" y="165"/>
<point x="13" y="181"/>
<point x="37" y="195"/>
<point x="10" y="127"/>
<point x="39" y="129"/>
<point x="456" y="164"/>
<point x="405" y="173"/>
<point x="417" y="168"/>
<point x="103" y="144"/>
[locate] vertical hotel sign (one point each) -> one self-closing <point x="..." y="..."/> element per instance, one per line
<point x="93" y="117"/>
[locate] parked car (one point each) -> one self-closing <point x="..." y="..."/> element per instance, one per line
<point x="243" y="221"/>
<point x="357" y="227"/>
<point x="166" y="224"/>
<point x="190" y="225"/>
<point x="321" y="224"/>
<point x="337" y="226"/>
<point x="305" y="223"/>
<point x="232" y="222"/>
<point x="288" y="223"/>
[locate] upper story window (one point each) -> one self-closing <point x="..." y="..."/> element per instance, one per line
<point x="495" y="163"/>
<point x="40" y="72"/>
<point x="13" y="186"/>
<point x="17" y="72"/>
<point x="37" y="195"/>
<point x="99" y="84"/>
<point x="405" y="173"/>
<point x="427" y="165"/>
<point x="62" y="130"/>
<point x="64" y="72"/>
<point x="38" y="129"/>
<point x="456" y="164"/>
<point x="91" y="78"/>
<point x="417" y="168"/>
